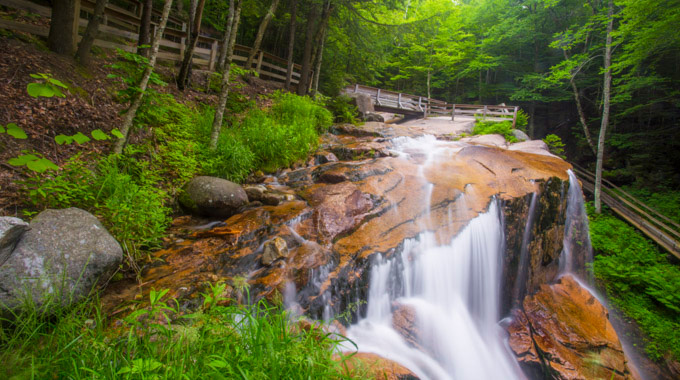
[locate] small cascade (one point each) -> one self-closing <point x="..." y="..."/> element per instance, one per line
<point x="577" y="251"/>
<point x="453" y="289"/>
<point x="523" y="267"/>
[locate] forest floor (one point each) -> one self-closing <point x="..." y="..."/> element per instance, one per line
<point x="90" y="103"/>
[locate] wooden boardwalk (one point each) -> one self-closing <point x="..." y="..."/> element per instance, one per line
<point x="656" y="226"/>
<point x="420" y="106"/>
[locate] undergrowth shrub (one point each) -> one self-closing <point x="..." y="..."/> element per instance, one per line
<point x="555" y="145"/>
<point x="640" y="280"/>
<point x="258" y="341"/>
<point x="492" y="127"/>
<point x="343" y="110"/>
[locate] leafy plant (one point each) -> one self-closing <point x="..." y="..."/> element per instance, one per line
<point x="343" y="110"/>
<point x="555" y="145"/>
<point x="491" y="127"/>
<point x="45" y="87"/>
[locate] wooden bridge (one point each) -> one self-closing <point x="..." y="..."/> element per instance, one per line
<point x="419" y="106"/>
<point x="656" y="226"/>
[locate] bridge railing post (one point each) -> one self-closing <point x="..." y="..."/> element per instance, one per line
<point x="453" y="112"/>
<point x="356" y="87"/>
<point x="486" y="109"/>
<point x="514" y="118"/>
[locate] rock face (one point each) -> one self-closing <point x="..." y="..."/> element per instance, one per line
<point x="63" y="255"/>
<point x="376" y="367"/>
<point x="210" y="196"/>
<point x="10" y="232"/>
<point x="519" y="135"/>
<point x="563" y="332"/>
<point x="372" y="116"/>
<point x="364" y="104"/>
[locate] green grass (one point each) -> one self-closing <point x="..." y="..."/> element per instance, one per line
<point x="491" y="127"/>
<point x="639" y="280"/>
<point x="159" y="342"/>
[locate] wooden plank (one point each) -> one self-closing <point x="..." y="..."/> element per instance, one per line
<point x="42" y="31"/>
<point x="28" y="6"/>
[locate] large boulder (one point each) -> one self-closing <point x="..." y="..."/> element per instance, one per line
<point x="520" y="135"/>
<point x="563" y="332"/>
<point x="364" y="104"/>
<point x="61" y="257"/>
<point x="375" y="367"/>
<point x="10" y="232"/>
<point x="211" y="196"/>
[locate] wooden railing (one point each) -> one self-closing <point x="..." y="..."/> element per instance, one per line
<point x="658" y="227"/>
<point x="121" y="27"/>
<point x="414" y="104"/>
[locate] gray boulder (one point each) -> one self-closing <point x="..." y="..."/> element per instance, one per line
<point x="211" y="196"/>
<point x="10" y="232"/>
<point x="370" y="116"/>
<point x="364" y="104"/>
<point x="519" y="135"/>
<point x="63" y="255"/>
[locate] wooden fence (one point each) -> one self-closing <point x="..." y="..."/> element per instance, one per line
<point x="397" y="102"/>
<point x="120" y="29"/>
<point x="658" y="227"/>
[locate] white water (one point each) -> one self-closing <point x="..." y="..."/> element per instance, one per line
<point x="453" y="288"/>
<point x="577" y="251"/>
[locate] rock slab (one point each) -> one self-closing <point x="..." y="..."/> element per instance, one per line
<point x="563" y="332"/>
<point x="10" y="232"/>
<point x="62" y="256"/>
<point x="211" y="196"/>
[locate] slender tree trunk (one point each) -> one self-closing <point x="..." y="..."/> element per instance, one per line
<point x="260" y="33"/>
<point x="312" y="19"/>
<point x="91" y="32"/>
<point x="605" y="108"/>
<point x="137" y="100"/>
<point x="225" y="38"/>
<point x="319" y="60"/>
<point x="222" y="102"/>
<point x="429" y="76"/>
<point x="291" y="43"/>
<point x="62" y="25"/>
<point x="579" y="108"/>
<point x="182" y="78"/>
<point x="145" y="28"/>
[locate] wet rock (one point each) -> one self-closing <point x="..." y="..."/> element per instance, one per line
<point x="273" y="250"/>
<point x="10" y="232"/>
<point x="62" y="256"/>
<point x="211" y="196"/>
<point x="489" y="140"/>
<point x="324" y="157"/>
<point x="520" y="135"/>
<point x="405" y="323"/>
<point x="372" y="116"/>
<point x="255" y="192"/>
<point x="532" y="146"/>
<point x="564" y="332"/>
<point x="355" y="131"/>
<point x="375" y="367"/>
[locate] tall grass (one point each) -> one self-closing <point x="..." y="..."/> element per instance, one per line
<point x="159" y="342"/>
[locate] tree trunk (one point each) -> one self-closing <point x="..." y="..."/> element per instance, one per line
<point x="605" y="107"/>
<point x="225" y="38"/>
<point x="91" y="32"/>
<point x="291" y="43"/>
<point x="579" y="108"/>
<point x="260" y="33"/>
<point x="145" y="29"/>
<point x="319" y="59"/>
<point x="429" y="76"/>
<point x="61" y="38"/>
<point x="137" y="101"/>
<point x="182" y="78"/>
<point x="222" y="102"/>
<point x="312" y="18"/>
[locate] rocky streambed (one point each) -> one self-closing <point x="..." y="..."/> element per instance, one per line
<point x="314" y="236"/>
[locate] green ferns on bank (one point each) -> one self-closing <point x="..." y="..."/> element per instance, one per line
<point x="160" y="341"/>
<point x="492" y="127"/>
<point x="639" y="280"/>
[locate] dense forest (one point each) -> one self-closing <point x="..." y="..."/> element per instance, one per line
<point x="121" y="126"/>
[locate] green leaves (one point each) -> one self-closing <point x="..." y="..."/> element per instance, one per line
<point x="33" y="162"/>
<point x="47" y="87"/>
<point x="81" y="138"/>
<point x="14" y="131"/>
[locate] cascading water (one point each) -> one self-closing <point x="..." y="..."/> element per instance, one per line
<point x="576" y="251"/>
<point x="453" y="290"/>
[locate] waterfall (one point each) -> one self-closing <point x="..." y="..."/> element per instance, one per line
<point x="451" y="288"/>
<point x="577" y="251"/>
